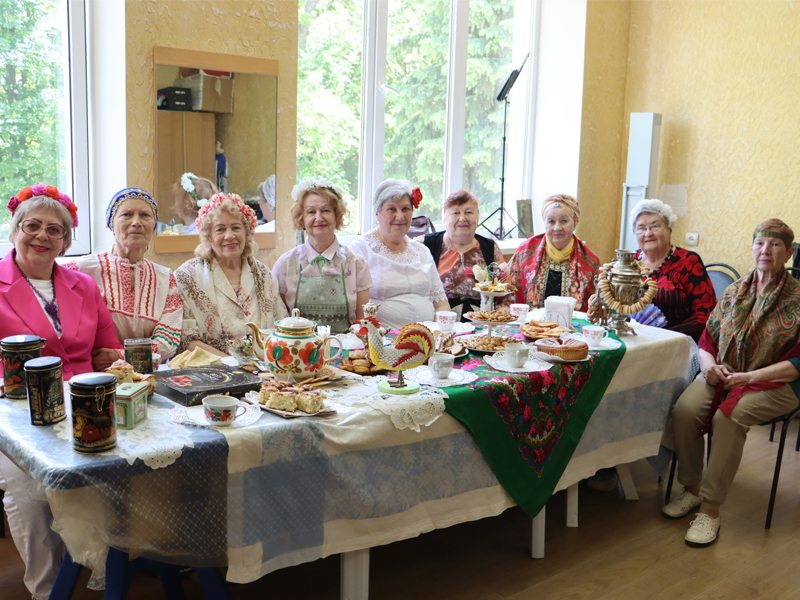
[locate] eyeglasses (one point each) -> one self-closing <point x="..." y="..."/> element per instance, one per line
<point x="33" y="227"/>
<point x="652" y="229"/>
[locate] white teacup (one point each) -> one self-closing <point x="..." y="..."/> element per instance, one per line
<point x="221" y="411"/>
<point x="446" y="320"/>
<point x="441" y="365"/>
<point x="520" y="311"/>
<point x="594" y="335"/>
<point x="517" y="355"/>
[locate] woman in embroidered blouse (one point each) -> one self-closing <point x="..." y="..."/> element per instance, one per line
<point x="556" y="262"/>
<point x="142" y="296"/>
<point x="225" y="286"/>
<point x="406" y="283"/>
<point x="38" y="297"/>
<point x="190" y="195"/>
<point x="326" y="281"/>
<point x="749" y="349"/>
<point x="457" y="248"/>
<point x="685" y="293"/>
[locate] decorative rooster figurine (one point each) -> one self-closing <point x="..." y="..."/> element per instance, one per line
<point x="412" y="347"/>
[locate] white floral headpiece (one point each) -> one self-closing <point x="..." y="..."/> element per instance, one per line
<point x="188" y="185"/>
<point x="312" y="182"/>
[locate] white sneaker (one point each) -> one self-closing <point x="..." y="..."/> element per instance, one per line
<point x="703" y="530"/>
<point x="682" y="505"/>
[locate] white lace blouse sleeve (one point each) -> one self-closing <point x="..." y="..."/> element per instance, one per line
<point x="437" y="293"/>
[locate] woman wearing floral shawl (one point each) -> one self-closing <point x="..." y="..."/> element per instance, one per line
<point x="555" y="263"/>
<point x="225" y="286"/>
<point x="749" y="350"/>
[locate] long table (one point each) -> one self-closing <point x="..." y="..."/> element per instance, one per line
<point x="284" y="492"/>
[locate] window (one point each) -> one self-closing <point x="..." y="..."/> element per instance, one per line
<point x="329" y="96"/>
<point x="37" y="132"/>
<point x="430" y="72"/>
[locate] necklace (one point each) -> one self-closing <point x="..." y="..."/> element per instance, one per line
<point x="51" y="307"/>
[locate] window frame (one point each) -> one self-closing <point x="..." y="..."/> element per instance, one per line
<point x="373" y="105"/>
<point x="78" y="116"/>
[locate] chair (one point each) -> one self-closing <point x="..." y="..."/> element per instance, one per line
<point x="796" y="255"/>
<point x="785" y="419"/>
<point x="720" y="279"/>
<point x="794" y="272"/>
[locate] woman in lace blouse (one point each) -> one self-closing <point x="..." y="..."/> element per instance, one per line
<point x="224" y="286"/>
<point x="405" y="281"/>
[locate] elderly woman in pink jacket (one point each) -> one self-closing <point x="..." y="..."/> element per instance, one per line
<point x="38" y="297"/>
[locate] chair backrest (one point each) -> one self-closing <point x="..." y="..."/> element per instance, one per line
<point x="796" y="255"/>
<point x="420" y="225"/>
<point x="794" y="272"/>
<point x="721" y="279"/>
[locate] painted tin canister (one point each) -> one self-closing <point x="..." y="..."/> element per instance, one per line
<point x="45" y="385"/>
<point x="131" y="404"/>
<point x="139" y="354"/>
<point x="17" y="350"/>
<point x="94" y="412"/>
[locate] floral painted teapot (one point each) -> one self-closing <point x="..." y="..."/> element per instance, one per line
<point x="293" y="348"/>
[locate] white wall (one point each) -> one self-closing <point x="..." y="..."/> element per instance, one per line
<point x="559" y="100"/>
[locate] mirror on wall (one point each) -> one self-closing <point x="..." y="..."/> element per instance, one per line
<point x="216" y="119"/>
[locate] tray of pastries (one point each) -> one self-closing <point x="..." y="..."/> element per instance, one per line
<point x="495" y="317"/>
<point x="562" y="350"/>
<point x="484" y="343"/>
<point x="290" y="400"/>
<point x="495" y="288"/>
<point x="538" y="330"/>
<point x="359" y="361"/>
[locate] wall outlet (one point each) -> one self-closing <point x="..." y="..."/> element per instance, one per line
<point x="692" y="239"/>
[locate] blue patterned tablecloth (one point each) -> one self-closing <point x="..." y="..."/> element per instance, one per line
<point x="283" y="492"/>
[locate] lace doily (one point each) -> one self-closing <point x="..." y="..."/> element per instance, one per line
<point x="422" y="375"/>
<point x="406" y="412"/>
<point x="156" y="442"/>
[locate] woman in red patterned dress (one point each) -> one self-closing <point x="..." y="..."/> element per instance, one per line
<point x="556" y="262"/>
<point x="685" y="294"/>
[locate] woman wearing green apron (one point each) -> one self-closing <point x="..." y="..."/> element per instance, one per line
<point x="325" y="281"/>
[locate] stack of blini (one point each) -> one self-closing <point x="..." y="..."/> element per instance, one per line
<point x="604" y="288"/>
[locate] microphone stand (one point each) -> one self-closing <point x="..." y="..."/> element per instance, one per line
<point x="501" y="233"/>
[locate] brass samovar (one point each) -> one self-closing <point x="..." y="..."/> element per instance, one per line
<point x="621" y="291"/>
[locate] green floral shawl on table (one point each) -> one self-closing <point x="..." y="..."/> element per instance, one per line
<point x="747" y="332"/>
<point x="528" y="425"/>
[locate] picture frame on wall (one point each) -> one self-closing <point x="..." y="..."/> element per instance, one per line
<point x="525" y="218"/>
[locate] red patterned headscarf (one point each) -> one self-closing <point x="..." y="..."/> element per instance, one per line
<point x="564" y="201"/>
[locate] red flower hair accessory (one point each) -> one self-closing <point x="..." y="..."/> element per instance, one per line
<point x="416" y="197"/>
<point x="50" y="191"/>
<point x="248" y="216"/>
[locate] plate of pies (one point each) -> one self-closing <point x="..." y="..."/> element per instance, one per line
<point x="538" y="330"/>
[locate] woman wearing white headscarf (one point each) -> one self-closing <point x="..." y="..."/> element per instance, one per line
<point x="405" y="281"/>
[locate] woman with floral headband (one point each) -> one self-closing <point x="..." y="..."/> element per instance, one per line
<point x="191" y="194"/>
<point x="406" y="284"/>
<point x="141" y="295"/>
<point x="556" y="262"/>
<point x="749" y="350"/>
<point x="225" y="286"/>
<point x="38" y="297"/>
<point x="326" y="281"/>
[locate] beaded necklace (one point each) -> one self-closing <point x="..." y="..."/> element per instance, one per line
<point x="51" y="307"/>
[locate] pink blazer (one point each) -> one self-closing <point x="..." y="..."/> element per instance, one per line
<point x="85" y="321"/>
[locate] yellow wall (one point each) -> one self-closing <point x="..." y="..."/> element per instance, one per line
<point x="726" y="78"/>
<point x="602" y="124"/>
<point x="244" y="27"/>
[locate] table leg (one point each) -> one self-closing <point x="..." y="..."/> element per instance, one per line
<point x="117" y="575"/>
<point x="67" y="579"/>
<point x="537" y="537"/>
<point x="354" y="575"/>
<point x="628" y="487"/>
<point x="572" y="505"/>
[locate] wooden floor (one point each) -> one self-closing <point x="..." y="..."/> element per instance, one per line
<point x="621" y="550"/>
